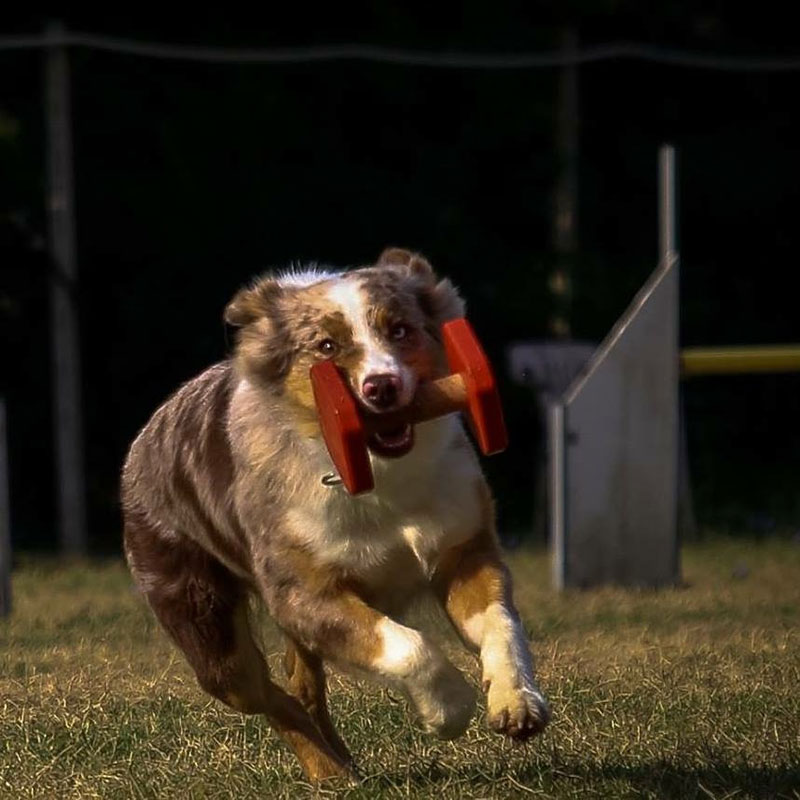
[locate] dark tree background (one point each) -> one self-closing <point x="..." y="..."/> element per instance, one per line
<point x="193" y="177"/>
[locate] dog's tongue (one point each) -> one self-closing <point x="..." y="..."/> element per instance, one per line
<point x="392" y="443"/>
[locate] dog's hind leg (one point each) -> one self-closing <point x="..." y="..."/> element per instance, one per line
<point x="307" y="683"/>
<point x="203" y="607"/>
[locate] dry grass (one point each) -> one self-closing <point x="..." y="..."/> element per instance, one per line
<point x="692" y="692"/>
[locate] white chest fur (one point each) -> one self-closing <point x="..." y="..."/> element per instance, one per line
<point x="424" y="503"/>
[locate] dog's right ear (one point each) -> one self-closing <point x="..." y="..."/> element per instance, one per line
<point x="263" y="347"/>
<point x="252" y="303"/>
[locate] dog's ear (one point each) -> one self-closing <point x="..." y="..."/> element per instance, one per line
<point x="252" y="303"/>
<point x="263" y="344"/>
<point x="439" y="299"/>
<point x="415" y="264"/>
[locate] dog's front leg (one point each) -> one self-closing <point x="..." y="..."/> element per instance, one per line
<point x="330" y="619"/>
<point x="475" y="588"/>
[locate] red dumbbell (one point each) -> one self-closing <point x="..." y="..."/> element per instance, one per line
<point x="470" y="388"/>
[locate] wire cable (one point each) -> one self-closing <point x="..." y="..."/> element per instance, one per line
<point x="389" y="55"/>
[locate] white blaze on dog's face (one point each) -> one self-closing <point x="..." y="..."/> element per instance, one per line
<point x="393" y="353"/>
<point x="380" y="325"/>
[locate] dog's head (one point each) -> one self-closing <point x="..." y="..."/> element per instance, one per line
<point x="379" y="324"/>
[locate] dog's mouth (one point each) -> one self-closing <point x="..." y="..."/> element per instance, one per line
<point x="392" y="443"/>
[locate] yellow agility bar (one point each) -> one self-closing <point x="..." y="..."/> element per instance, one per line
<point x="739" y="360"/>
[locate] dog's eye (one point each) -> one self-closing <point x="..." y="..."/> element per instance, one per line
<point x="399" y="331"/>
<point x="327" y="347"/>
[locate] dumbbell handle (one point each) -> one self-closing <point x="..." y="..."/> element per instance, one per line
<point x="432" y="399"/>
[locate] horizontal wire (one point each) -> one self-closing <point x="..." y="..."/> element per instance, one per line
<point x="389" y="55"/>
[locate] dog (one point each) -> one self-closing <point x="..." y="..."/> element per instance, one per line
<point x="222" y="499"/>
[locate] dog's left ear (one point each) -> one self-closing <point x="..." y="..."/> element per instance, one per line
<point x="439" y="299"/>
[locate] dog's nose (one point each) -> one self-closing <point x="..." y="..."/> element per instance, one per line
<point x="382" y="390"/>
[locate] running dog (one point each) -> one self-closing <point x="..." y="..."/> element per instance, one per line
<point x="223" y="498"/>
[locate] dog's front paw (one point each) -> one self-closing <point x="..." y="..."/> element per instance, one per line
<point x="445" y="702"/>
<point x="515" y="709"/>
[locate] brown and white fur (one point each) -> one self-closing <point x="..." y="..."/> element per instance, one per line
<point x="222" y="498"/>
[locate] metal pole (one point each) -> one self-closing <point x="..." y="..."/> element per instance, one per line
<point x="5" y="519"/>
<point x="668" y="251"/>
<point x="667" y="225"/>
<point x="557" y="493"/>
<point x="68" y="429"/>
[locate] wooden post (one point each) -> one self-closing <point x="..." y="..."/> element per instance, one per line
<point x="5" y="519"/>
<point x="68" y="429"/>
<point x="565" y="201"/>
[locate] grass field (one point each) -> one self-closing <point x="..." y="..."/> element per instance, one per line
<point x="691" y="692"/>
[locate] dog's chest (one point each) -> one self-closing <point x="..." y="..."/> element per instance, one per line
<point x="422" y="504"/>
<point x="365" y="543"/>
<point x="378" y="541"/>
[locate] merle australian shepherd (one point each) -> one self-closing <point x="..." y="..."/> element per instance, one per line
<point x="223" y="499"/>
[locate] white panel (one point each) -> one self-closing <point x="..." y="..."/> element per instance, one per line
<point x="621" y="450"/>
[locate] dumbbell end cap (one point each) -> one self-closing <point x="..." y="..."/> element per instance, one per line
<point x="341" y="427"/>
<point x="484" y="409"/>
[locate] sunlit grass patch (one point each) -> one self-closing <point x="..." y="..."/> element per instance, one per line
<point x="686" y="692"/>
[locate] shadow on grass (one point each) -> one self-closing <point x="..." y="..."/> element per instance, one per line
<point x="658" y="779"/>
<point x="667" y="779"/>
